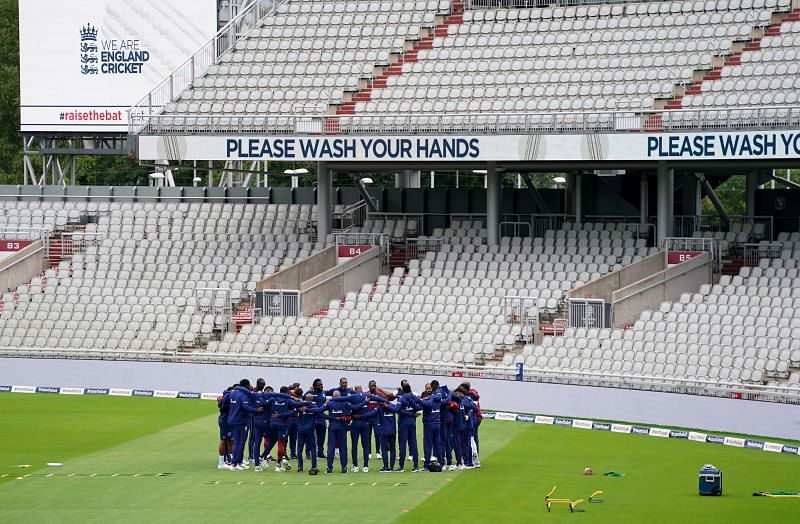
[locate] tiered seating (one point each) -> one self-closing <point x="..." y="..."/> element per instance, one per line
<point x="766" y="74"/>
<point x="597" y="57"/>
<point x="370" y="58"/>
<point x="739" y="234"/>
<point x="397" y="228"/>
<point x="448" y="308"/>
<point x="743" y="330"/>
<point x="307" y="55"/>
<point x="138" y="289"/>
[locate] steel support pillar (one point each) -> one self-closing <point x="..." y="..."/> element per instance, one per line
<point x="324" y="201"/>
<point x="493" y="202"/>
<point x="644" y="199"/>
<point x="578" y="181"/>
<point x="665" y="200"/>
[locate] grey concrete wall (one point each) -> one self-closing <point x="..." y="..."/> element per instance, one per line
<point x="666" y="409"/>
<point x="335" y="283"/>
<point x="21" y="266"/>
<point x="664" y="286"/>
<point x="603" y="287"/>
<point x="294" y="276"/>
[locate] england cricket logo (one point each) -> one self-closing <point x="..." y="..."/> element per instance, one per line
<point x="88" y="50"/>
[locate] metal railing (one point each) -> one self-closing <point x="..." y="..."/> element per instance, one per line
<point x="515" y="229"/>
<point x="78" y="242"/>
<point x="27" y="233"/>
<point x="146" y="121"/>
<point x="752" y="254"/>
<point x="379" y="240"/>
<point x="782" y="5"/>
<point x="278" y="302"/>
<point x="756" y="227"/>
<point x="198" y="64"/>
<point x="418" y="247"/>
<point x="523" y="312"/>
<point x="352" y="215"/>
<point x="695" y="244"/>
<point x="589" y="313"/>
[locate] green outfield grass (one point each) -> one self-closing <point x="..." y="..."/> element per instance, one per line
<point x="113" y="448"/>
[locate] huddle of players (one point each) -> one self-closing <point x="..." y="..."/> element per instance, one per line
<point x="248" y="416"/>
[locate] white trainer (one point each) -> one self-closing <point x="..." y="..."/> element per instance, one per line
<point x="257" y="469"/>
<point x="278" y="469"/>
<point x="240" y="467"/>
<point x="366" y="469"/>
<point x="355" y="469"/>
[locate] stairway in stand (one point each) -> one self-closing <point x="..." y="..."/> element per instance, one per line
<point x="654" y="123"/>
<point x="379" y="82"/>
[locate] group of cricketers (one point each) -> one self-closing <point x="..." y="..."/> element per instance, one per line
<point x="297" y="423"/>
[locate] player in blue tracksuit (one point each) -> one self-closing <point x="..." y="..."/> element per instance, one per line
<point x="360" y="429"/>
<point x="297" y="394"/>
<point x="407" y="426"/>
<point x="340" y="410"/>
<point x="461" y="427"/>
<point x="431" y="404"/>
<point x="446" y="417"/>
<point x="318" y="392"/>
<point x="225" y="436"/>
<point x="260" y="384"/>
<point x="467" y="408"/>
<point x="375" y="421"/>
<point x="306" y="434"/>
<point x="239" y="411"/>
<point x="262" y="417"/>
<point x="261" y="426"/>
<point x="387" y="429"/>
<point x="342" y="389"/>
<point x="282" y="408"/>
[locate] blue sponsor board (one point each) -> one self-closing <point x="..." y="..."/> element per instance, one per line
<point x="563" y="422"/>
<point x="789" y="449"/>
<point x="715" y="439"/>
<point x="46" y="389"/>
<point x="678" y="434"/>
<point x="526" y="418"/>
<point x="753" y="444"/>
<point x="640" y="430"/>
<point x="601" y="426"/>
<point x="96" y="391"/>
<point x="142" y="393"/>
<point x="188" y="394"/>
<point x="5" y="389"/>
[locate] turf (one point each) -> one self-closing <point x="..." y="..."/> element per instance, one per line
<point x="660" y="482"/>
<point x="107" y="436"/>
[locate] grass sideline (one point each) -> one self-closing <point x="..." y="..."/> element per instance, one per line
<point x="521" y="462"/>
